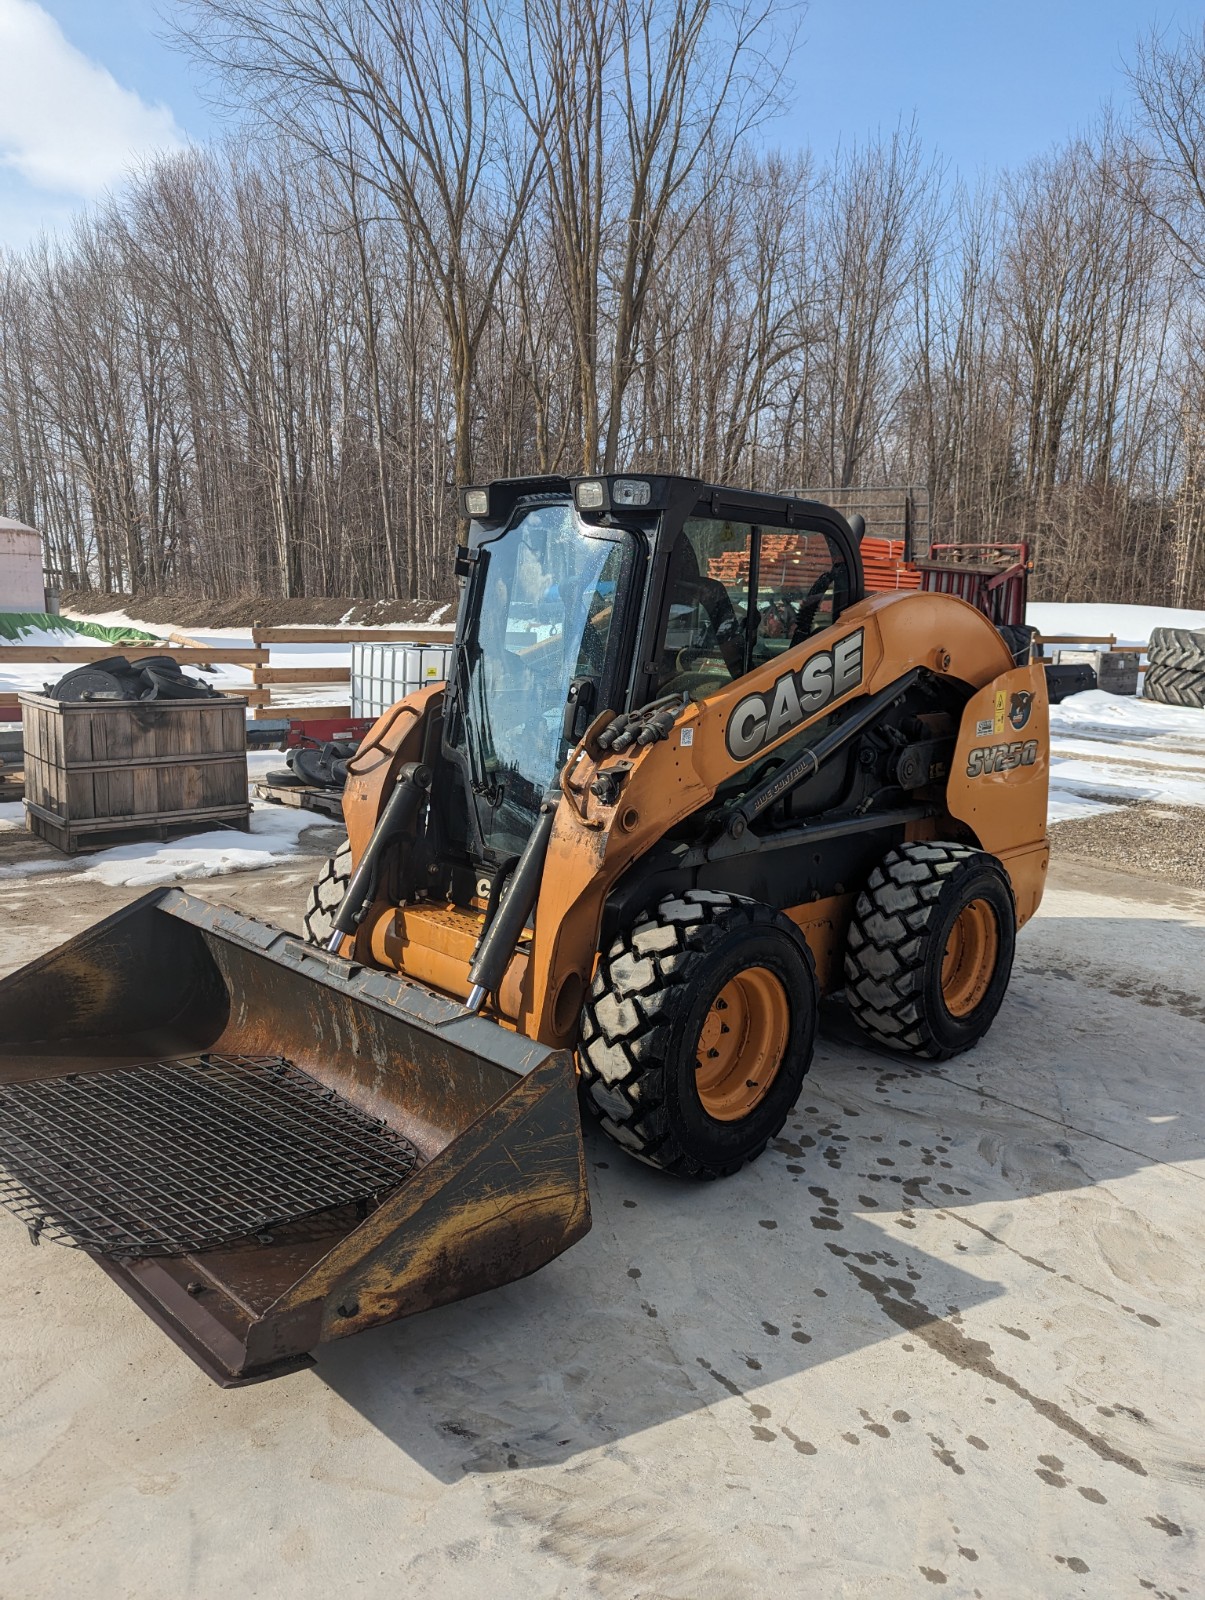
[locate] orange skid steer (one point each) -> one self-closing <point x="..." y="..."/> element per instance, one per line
<point x="685" y="777"/>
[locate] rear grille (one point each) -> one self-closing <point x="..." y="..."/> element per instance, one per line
<point x="185" y="1155"/>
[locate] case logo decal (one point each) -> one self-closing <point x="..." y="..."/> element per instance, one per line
<point x="760" y="719"/>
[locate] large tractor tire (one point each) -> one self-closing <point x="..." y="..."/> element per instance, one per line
<point x="1175" y="686"/>
<point x="930" y="949"/>
<point x="1177" y="647"/>
<point x="327" y="896"/>
<point x="698" y="1031"/>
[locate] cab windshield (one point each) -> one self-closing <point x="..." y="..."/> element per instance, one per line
<point x="545" y="605"/>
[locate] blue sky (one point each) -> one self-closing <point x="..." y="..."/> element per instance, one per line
<point x="87" y="86"/>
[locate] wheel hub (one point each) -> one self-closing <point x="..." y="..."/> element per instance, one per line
<point x="971" y="952"/>
<point x="741" y="1044"/>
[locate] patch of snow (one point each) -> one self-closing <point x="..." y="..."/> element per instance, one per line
<point x="1120" y="717"/>
<point x="275" y="833"/>
<point x="12" y="815"/>
<point x="1107" y="747"/>
<point x="261" y="762"/>
<point x="1120" y="749"/>
<point x="1132" y="625"/>
<point x="25" y="869"/>
<point x="1071" y="807"/>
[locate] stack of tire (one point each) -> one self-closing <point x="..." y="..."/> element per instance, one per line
<point x="1175" y="674"/>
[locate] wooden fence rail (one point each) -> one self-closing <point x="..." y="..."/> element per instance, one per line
<point x="257" y="656"/>
<point x="264" y="676"/>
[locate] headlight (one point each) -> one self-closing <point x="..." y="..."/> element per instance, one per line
<point x="477" y="502"/>
<point x="591" y="495"/>
<point x="630" y="492"/>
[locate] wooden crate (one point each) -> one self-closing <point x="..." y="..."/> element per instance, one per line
<point x="99" y="768"/>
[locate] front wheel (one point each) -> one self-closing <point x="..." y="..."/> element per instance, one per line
<point x="930" y="949"/>
<point x="698" y="1031"/>
<point x="326" y="896"/>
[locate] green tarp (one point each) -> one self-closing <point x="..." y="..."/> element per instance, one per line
<point x="15" y="624"/>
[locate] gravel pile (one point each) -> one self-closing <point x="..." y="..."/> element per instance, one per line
<point x="1162" y="841"/>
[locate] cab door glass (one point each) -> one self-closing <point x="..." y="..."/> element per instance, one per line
<point x="705" y="645"/>
<point x="802" y="588"/>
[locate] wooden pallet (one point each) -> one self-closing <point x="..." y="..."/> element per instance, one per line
<point x="101" y="833"/>
<point x="304" y="796"/>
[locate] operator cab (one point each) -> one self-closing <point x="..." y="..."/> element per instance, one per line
<point x="591" y="593"/>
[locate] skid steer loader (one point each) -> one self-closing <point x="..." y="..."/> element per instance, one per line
<point x="683" y="779"/>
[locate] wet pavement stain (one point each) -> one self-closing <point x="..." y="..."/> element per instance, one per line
<point x="805" y="1447"/>
<point x="975" y="1355"/>
<point x="1165" y="1525"/>
<point x="946" y="1456"/>
<point x="934" y="1574"/>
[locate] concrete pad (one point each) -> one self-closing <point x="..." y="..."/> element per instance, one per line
<point x="945" y="1335"/>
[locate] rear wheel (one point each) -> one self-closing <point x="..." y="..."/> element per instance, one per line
<point x="327" y="896"/>
<point x="698" y="1031"/>
<point x="930" y="949"/>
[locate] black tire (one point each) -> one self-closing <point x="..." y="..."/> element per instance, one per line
<point x="327" y="896"/>
<point x="644" y="1018"/>
<point x="1175" y="686"/>
<point x="1177" y="647"/>
<point x="902" y="926"/>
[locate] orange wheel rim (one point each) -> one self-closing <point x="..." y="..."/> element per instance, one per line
<point x="741" y="1044"/>
<point x="970" y="958"/>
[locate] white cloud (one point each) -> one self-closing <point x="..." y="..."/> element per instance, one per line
<point x="66" y="124"/>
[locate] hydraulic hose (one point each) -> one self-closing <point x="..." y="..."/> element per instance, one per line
<point x="397" y="817"/>
<point x="502" y="935"/>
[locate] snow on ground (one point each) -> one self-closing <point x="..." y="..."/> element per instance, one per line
<point x="12" y="815"/>
<point x="275" y="831"/>
<point x="1106" y="749"/>
<point x="1132" y="625"/>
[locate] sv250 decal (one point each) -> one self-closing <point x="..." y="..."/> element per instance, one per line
<point x="1001" y="757"/>
<point x="759" y="719"/>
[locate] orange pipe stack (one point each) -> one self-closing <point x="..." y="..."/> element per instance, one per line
<point x="883" y="563"/>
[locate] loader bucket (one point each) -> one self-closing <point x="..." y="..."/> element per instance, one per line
<point x="268" y="1146"/>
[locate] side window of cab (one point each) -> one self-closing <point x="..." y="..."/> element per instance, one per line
<point x="803" y="585"/>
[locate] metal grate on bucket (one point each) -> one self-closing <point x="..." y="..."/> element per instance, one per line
<point x="177" y="1156"/>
